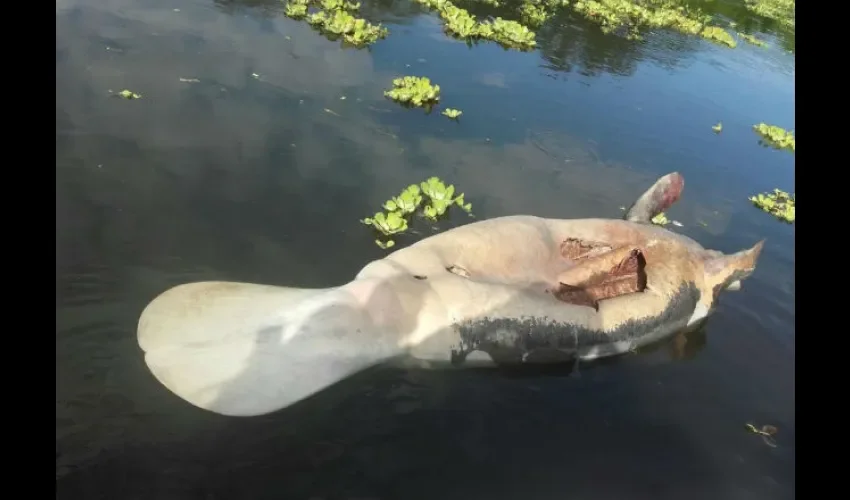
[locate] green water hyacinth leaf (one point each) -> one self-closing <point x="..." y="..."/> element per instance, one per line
<point x="128" y="94"/>
<point x="336" y="21"/>
<point x="389" y="223"/>
<point x="534" y="14"/>
<point x="718" y="128"/>
<point x="630" y="18"/>
<point x="779" y="203"/>
<point x="776" y="137"/>
<point x="752" y="40"/>
<point x="295" y="9"/>
<point x="407" y="202"/>
<point x="781" y="11"/>
<point x="451" y="113"/>
<point x="329" y="5"/>
<point x="460" y="23"/>
<point x="414" y="91"/>
<point x="513" y="34"/>
<point x="437" y="190"/>
<point x="718" y="35"/>
<point x="660" y="220"/>
<point x="440" y="198"/>
<point x="459" y="202"/>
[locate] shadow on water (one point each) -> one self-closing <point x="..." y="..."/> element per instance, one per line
<point x="244" y="176"/>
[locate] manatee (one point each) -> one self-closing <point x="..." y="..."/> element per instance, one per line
<point x="515" y="290"/>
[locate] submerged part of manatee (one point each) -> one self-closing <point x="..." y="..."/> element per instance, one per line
<point x="778" y="203"/>
<point x="438" y="198"/>
<point x="333" y="18"/>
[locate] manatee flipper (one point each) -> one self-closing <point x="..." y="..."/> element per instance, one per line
<point x="662" y="195"/>
<point x="242" y="349"/>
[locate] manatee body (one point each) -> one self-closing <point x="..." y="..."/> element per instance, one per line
<point x="509" y="290"/>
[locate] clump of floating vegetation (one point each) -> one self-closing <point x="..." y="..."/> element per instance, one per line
<point x="334" y="19"/>
<point x="718" y="35"/>
<point x="437" y="198"/>
<point x="775" y="136"/>
<point x="534" y="14"/>
<point x="511" y="34"/>
<point x="454" y="114"/>
<point x="717" y="128"/>
<point x="778" y="203"/>
<point x="752" y="40"/>
<point x="460" y="23"/>
<point x="630" y="16"/>
<point x="781" y="11"/>
<point x="414" y="91"/>
<point x="660" y="220"/>
<point x="127" y="94"/>
<point x="296" y="9"/>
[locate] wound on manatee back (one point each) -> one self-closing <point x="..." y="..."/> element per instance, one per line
<point x="611" y="274"/>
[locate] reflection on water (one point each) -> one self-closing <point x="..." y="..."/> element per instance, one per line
<point x="259" y="171"/>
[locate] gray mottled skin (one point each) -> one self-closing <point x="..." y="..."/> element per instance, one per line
<point x="515" y="340"/>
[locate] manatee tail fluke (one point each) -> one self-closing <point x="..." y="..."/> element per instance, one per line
<point x="242" y="349"/>
<point x="726" y="272"/>
<point x="662" y="195"/>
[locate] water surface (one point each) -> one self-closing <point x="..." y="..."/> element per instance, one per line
<point x="259" y="171"/>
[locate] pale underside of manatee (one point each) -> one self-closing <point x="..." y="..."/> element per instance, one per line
<point x="504" y="291"/>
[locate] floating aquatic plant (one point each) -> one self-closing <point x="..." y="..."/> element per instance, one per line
<point x="128" y="94"/>
<point x="357" y="32"/>
<point x="460" y="23"/>
<point x="781" y="11"/>
<point x="388" y="224"/>
<point x="513" y="34"/>
<point x="415" y="91"/>
<point x="440" y="198"/>
<point x="630" y="17"/>
<point x="398" y="208"/>
<point x="718" y="35"/>
<point x="406" y="202"/>
<point x="660" y="220"/>
<point x="296" y="9"/>
<point x="335" y="20"/>
<point x="775" y="136"/>
<point x="452" y="113"/>
<point x="778" y="203"/>
<point x="329" y="5"/>
<point x="534" y="14"/>
<point x="752" y="40"/>
<point x="717" y="128"/>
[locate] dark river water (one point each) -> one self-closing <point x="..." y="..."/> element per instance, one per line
<point x="259" y="171"/>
